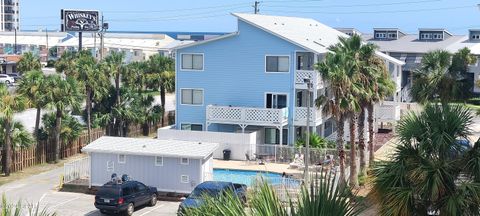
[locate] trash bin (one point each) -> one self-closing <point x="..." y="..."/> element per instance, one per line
<point x="226" y="154"/>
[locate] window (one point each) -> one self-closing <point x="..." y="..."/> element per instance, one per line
<point x="380" y="35"/>
<point x="276" y="101"/>
<point x="192" y="96"/>
<point x="139" y="187"/>
<point x="277" y="64"/>
<point x="184" y="179"/>
<point x="128" y="190"/>
<point x="184" y="161"/>
<point x="392" y="35"/>
<point x="192" y="127"/>
<point x="110" y="166"/>
<point x="121" y="158"/>
<point x="192" y="61"/>
<point x="158" y="161"/>
<point x="272" y="136"/>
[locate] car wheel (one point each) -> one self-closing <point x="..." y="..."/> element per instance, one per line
<point x="130" y="209"/>
<point x="104" y="212"/>
<point x="153" y="201"/>
<point x="7" y="82"/>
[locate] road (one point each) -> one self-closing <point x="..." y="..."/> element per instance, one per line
<point x="43" y="189"/>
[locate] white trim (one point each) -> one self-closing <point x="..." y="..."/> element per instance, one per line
<point x="203" y="126"/>
<point x="124" y="158"/>
<point x="90" y="167"/>
<point x="278" y="72"/>
<point x="184" y="182"/>
<point x="113" y="166"/>
<point x="206" y="41"/>
<point x="203" y="96"/>
<point x="276" y="93"/>
<point x="156" y="162"/>
<point x="182" y="163"/>
<point x="181" y="62"/>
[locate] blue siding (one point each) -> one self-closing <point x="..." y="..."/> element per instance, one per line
<point x="234" y="73"/>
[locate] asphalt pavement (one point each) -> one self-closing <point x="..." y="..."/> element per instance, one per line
<point x="43" y="189"/>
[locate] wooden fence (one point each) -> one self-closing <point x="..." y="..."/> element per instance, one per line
<point x="44" y="151"/>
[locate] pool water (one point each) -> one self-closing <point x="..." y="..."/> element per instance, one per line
<point x="247" y="177"/>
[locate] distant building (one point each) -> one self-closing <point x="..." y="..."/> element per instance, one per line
<point x="9" y="15"/>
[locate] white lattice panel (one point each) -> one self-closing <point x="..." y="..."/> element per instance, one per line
<point x="225" y="113"/>
<point x="246" y="115"/>
<point x="301" y="74"/>
<point x="387" y="112"/>
<point x="301" y="116"/>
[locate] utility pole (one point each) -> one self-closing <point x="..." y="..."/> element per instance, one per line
<point x="101" y="34"/>
<point x="80" y="41"/>
<point x="306" y="174"/>
<point x="46" y="34"/>
<point x="15" y="48"/>
<point x="256" y="6"/>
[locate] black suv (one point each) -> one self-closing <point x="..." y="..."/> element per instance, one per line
<point x="123" y="197"/>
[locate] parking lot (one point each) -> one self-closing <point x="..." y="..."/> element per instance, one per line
<point x="43" y="189"/>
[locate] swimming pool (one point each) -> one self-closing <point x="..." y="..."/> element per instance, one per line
<point x="249" y="176"/>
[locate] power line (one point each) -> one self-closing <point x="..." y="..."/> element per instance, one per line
<point x="179" y="9"/>
<point x="173" y="18"/>
<point x="353" y="5"/>
<point x="377" y="11"/>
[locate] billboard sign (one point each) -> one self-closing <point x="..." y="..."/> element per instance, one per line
<point x="80" y="20"/>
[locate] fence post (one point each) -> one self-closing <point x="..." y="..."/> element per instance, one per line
<point x="275" y="153"/>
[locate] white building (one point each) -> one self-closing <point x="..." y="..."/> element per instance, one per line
<point x="9" y="15"/>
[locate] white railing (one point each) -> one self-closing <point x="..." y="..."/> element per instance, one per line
<point x="301" y="116"/>
<point x="300" y="75"/>
<point x="79" y="169"/>
<point x="387" y="111"/>
<point x="246" y="115"/>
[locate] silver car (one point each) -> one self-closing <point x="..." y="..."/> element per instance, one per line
<point x="4" y="78"/>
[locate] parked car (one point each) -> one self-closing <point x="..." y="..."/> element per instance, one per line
<point x="16" y="76"/>
<point x="212" y="188"/>
<point x="122" y="197"/>
<point x="4" y="78"/>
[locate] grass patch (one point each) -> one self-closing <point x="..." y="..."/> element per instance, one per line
<point x="151" y="92"/>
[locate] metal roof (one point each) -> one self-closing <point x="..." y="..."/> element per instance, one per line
<point x="151" y="147"/>
<point x="411" y="44"/>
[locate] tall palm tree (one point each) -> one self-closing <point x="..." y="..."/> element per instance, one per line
<point x="162" y="75"/>
<point x="94" y="80"/>
<point x="337" y="70"/>
<point x="114" y="67"/>
<point x="61" y="94"/>
<point x="66" y="63"/>
<point x="32" y="86"/>
<point x="431" y="170"/>
<point x="10" y="104"/>
<point x="29" y="62"/>
<point x="19" y="136"/>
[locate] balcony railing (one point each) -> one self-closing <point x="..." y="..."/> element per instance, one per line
<point x="247" y="116"/>
<point x="301" y="116"/>
<point x="387" y="112"/>
<point x="300" y="75"/>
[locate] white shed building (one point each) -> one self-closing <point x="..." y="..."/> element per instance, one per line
<point x="170" y="165"/>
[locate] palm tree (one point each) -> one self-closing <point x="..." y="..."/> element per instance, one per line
<point x="61" y="94"/>
<point x="71" y="129"/>
<point x="32" y="86"/>
<point x="29" y="62"/>
<point x="96" y="83"/>
<point x="20" y="137"/>
<point x="66" y="63"/>
<point x="162" y="76"/>
<point x="337" y="70"/>
<point x="10" y="104"/>
<point x="431" y="169"/>
<point x="114" y="67"/>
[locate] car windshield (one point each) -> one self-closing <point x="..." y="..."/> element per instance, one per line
<point x="109" y="192"/>
<point x="200" y="192"/>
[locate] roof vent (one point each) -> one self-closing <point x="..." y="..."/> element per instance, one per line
<point x="199" y="143"/>
<point x="144" y="146"/>
<point x="275" y="23"/>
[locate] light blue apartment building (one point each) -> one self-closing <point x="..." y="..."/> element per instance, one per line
<point x="254" y="79"/>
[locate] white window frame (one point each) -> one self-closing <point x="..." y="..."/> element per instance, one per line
<point x="182" y="179"/>
<point x="275" y="93"/>
<point x="110" y="166"/>
<point x="188" y="123"/>
<point x="124" y="158"/>
<point x="156" y="161"/>
<point x="182" y="163"/>
<point x="276" y="72"/>
<point x="200" y="89"/>
<point x="187" y="69"/>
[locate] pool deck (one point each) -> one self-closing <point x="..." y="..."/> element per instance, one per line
<point x="267" y="167"/>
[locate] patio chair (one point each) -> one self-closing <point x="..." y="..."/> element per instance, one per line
<point x="248" y="159"/>
<point x="297" y="162"/>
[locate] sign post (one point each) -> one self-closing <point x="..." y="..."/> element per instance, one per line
<point x="80" y="21"/>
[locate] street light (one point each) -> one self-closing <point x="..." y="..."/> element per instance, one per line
<point x="308" y="81"/>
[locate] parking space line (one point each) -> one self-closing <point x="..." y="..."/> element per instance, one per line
<point x="65" y="202"/>
<point x="151" y="210"/>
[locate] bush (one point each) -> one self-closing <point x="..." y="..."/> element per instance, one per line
<point x="316" y="142"/>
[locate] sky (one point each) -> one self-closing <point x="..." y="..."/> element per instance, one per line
<point x="457" y="16"/>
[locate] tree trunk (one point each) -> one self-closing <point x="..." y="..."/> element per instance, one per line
<point x="89" y="111"/>
<point x="7" y="150"/>
<point x="162" y="100"/>
<point x="361" y="142"/>
<point x="37" y="122"/>
<point x="371" y="134"/>
<point x="58" y="130"/>
<point x="340" y="148"/>
<point x="117" y="102"/>
<point x="353" y="152"/>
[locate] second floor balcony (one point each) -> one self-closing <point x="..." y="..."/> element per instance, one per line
<point x="244" y="116"/>
<point x="300" y="118"/>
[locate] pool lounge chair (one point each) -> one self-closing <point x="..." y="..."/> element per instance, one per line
<point x="297" y="162"/>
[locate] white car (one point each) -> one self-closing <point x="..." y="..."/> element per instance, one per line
<point x="4" y="78"/>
